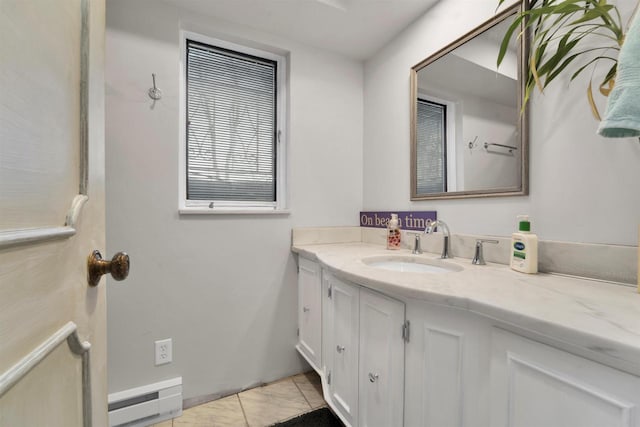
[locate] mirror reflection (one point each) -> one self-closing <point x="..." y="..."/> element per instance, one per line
<point x="467" y="131"/>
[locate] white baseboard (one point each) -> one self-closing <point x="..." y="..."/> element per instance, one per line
<point x="146" y="405"/>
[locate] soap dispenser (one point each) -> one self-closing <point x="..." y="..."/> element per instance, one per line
<point x="524" y="247"/>
<point x="393" y="233"/>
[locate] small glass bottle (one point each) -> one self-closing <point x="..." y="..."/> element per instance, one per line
<point x="393" y="233"/>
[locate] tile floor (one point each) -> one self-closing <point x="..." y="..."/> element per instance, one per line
<point x="258" y="407"/>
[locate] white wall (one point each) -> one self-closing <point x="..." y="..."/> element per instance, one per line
<point x="583" y="188"/>
<point x="490" y="122"/>
<point x="223" y="287"/>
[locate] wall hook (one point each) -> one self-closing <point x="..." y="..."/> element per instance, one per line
<point x="472" y="144"/>
<point x="154" y="92"/>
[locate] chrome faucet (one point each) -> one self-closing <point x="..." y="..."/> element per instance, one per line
<point x="445" y="231"/>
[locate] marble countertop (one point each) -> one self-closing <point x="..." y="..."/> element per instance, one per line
<point x="600" y="317"/>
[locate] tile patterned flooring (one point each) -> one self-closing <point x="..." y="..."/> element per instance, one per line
<point x="258" y="407"/>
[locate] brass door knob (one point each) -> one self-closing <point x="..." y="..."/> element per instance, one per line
<point x="96" y="267"/>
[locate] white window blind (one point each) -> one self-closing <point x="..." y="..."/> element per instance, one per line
<point x="431" y="147"/>
<point x="231" y="125"/>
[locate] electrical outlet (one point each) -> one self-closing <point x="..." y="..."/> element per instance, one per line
<point x="164" y="351"/>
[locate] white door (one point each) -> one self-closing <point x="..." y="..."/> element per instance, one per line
<point x="381" y="365"/>
<point x="52" y="324"/>
<point x="310" y="312"/>
<point x="342" y="350"/>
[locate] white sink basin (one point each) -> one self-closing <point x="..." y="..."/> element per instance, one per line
<point x="411" y="265"/>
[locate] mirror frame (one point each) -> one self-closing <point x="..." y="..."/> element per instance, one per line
<point x="523" y="118"/>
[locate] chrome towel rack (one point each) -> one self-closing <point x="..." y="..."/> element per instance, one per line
<point x="509" y="147"/>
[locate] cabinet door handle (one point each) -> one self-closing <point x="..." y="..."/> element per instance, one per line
<point x="340" y="348"/>
<point x="373" y="377"/>
<point x="305" y="309"/>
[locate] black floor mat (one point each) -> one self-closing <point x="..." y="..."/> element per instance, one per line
<point x="322" y="417"/>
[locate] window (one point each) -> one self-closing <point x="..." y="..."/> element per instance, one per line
<point x="431" y="147"/>
<point x="233" y="150"/>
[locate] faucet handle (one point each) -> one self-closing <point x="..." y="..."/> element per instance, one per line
<point x="478" y="257"/>
<point x="481" y="241"/>
<point x="416" y="244"/>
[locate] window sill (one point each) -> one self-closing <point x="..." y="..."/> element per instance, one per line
<point x="209" y="211"/>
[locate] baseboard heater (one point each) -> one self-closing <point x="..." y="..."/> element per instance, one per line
<point x="146" y="405"/>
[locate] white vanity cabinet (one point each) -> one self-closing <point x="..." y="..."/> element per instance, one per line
<point x="310" y="312"/>
<point x="533" y="384"/>
<point x="363" y="352"/>
<point x="470" y="360"/>
<point x="381" y="361"/>
<point x="341" y="347"/>
<point x="447" y="367"/>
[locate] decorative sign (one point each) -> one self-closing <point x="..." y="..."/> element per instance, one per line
<point x="408" y="220"/>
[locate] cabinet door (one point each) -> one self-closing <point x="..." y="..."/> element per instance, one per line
<point x="310" y="313"/>
<point x="534" y="385"/>
<point x="342" y="350"/>
<point x="447" y="368"/>
<point x="381" y="361"/>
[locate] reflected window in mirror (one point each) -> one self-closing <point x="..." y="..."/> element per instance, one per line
<point x="431" y="147"/>
<point x="468" y="134"/>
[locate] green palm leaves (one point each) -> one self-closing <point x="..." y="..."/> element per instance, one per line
<point x="563" y="31"/>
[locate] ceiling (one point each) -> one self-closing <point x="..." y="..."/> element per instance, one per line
<point x="471" y="69"/>
<point x="354" y="28"/>
<point x="454" y="77"/>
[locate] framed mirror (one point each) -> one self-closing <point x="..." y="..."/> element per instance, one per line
<point x="469" y="133"/>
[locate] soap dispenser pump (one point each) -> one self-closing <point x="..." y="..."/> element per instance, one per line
<point x="524" y="247"/>
<point x="393" y="233"/>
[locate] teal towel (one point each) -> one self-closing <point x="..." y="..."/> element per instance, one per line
<point x="622" y="118"/>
